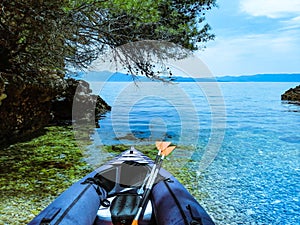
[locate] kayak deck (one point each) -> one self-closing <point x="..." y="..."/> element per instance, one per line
<point x="111" y="194"/>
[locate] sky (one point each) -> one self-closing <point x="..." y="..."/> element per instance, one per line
<point x="253" y="37"/>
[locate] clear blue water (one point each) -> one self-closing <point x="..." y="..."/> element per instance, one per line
<point x="252" y="137"/>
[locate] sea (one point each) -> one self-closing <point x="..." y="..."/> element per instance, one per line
<point x="245" y="141"/>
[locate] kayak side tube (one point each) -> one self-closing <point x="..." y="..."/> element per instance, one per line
<point x="173" y="204"/>
<point x="78" y="205"/>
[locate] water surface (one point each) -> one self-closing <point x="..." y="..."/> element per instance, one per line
<point x="254" y="175"/>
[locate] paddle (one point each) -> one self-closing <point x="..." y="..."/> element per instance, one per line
<point x="163" y="150"/>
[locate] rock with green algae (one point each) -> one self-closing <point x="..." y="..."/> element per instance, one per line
<point x="34" y="173"/>
<point x="293" y="94"/>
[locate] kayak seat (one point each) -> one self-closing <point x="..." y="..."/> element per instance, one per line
<point x="124" y="208"/>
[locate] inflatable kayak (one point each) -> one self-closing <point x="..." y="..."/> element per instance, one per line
<point x="112" y="195"/>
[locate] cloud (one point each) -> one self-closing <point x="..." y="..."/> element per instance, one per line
<point x="291" y="24"/>
<point x="252" y="54"/>
<point x="271" y="8"/>
<point x="255" y="45"/>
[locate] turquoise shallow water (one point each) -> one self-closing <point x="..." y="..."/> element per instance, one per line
<point x="252" y="137"/>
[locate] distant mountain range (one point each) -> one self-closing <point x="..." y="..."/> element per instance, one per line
<point x="120" y="77"/>
<point x="262" y="78"/>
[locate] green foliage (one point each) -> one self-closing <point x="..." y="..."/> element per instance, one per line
<point x="145" y="11"/>
<point x="31" y="35"/>
<point x="50" y="35"/>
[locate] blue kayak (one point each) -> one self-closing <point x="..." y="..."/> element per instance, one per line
<point x="112" y="193"/>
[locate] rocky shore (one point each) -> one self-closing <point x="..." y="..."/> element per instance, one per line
<point x="28" y="104"/>
<point x="293" y="94"/>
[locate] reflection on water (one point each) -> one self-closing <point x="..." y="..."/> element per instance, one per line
<point x="292" y="106"/>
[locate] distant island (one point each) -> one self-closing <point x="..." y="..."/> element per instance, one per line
<point x="261" y="78"/>
<point x="121" y="77"/>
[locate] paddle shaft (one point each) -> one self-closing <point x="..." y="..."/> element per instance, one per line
<point x="153" y="168"/>
<point x="164" y="149"/>
<point x="149" y="185"/>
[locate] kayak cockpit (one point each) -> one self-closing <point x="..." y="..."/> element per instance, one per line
<point x="124" y="182"/>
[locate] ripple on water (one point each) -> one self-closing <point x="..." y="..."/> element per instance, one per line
<point x="291" y="139"/>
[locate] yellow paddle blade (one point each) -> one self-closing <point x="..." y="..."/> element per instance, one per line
<point x="162" y="145"/>
<point x="168" y="150"/>
<point x="134" y="222"/>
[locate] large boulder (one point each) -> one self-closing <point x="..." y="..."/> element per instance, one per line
<point x="293" y="94"/>
<point x="77" y="102"/>
<point x="28" y="104"/>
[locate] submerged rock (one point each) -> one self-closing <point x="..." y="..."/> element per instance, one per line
<point x="293" y="94"/>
